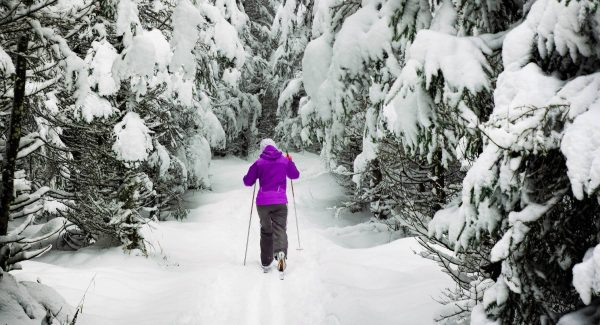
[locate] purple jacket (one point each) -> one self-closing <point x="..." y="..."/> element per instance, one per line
<point x="271" y="169"/>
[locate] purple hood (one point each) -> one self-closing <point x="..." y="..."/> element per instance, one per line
<point x="271" y="153"/>
<point x="272" y="170"/>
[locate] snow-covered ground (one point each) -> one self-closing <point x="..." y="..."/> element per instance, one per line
<point x="350" y="272"/>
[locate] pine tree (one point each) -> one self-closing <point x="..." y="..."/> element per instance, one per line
<point x="523" y="204"/>
<point x="258" y="77"/>
<point x="291" y="30"/>
<point x="135" y="77"/>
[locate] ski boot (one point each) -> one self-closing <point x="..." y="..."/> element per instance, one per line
<point x="281" y="264"/>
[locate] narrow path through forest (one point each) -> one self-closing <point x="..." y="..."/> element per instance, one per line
<point x="350" y="272"/>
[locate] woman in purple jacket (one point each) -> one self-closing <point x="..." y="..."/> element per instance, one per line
<point x="272" y="170"/>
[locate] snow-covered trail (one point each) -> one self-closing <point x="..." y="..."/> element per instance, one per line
<point x="195" y="275"/>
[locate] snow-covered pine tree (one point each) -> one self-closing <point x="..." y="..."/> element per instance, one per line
<point x="531" y="194"/>
<point x="433" y="112"/>
<point x="347" y="68"/>
<point x="159" y="87"/>
<point x="102" y="125"/>
<point x="26" y="195"/>
<point x="38" y="192"/>
<point x="386" y="175"/>
<point x="257" y="76"/>
<point x="233" y="97"/>
<point x="125" y="109"/>
<point x="291" y="30"/>
<point x="14" y="247"/>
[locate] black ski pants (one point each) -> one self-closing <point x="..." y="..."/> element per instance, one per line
<point x="273" y="236"/>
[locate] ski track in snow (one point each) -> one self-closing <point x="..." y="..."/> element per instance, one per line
<point x="194" y="274"/>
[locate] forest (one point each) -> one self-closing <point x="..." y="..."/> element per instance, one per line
<point x="470" y="128"/>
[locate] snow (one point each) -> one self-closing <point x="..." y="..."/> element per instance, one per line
<point x="577" y="101"/>
<point x="479" y="317"/>
<point x="337" y="63"/>
<point x="518" y="229"/>
<point x="534" y="112"/>
<point x="467" y="217"/>
<point x="185" y="19"/>
<point x="361" y="235"/>
<point x="102" y="63"/>
<point x="160" y="158"/>
<point x="231" y="76"/>
<point x="365" y="36"/>
<point x="213" y="130"/>
<point x="148" y="49"/>
<point x="6" y="65"/>
<point x="369" y="152"/>
<point x="587" y="315"/>
<point x="95" y="106"/>
<point x="322" y="17"/>
<point x="516" y="51"/>
<point x="27" y="303"/>
<point x="447" y="221"/>
<point x="444" y="19"/>
<point x="127" y="15"/>
<point x="132" y="138"/>
<point x="580" y="143"/>
<point x="225" y="38"/>
<point x="224" y="35"/>
<point x="516" y="93"/>
<point x="408" y="110"/>
<point x="416" y="15"/>
<point x="315" y="64"/>
<point x="284" y="17"/>
<point x="54" y="206"/>
<point x="551" y="26"/>
<point x="291" y="90"/>
<point x="559" y="27"/>
<point x="232" y="13"/>
<point x="460" y="60"/>
<point x="348" y="273"/>
<point x="184" y="89"/>
<point x="197" y="156"/>
<point x="586" y="275"/>
<point x="497" y="294"/>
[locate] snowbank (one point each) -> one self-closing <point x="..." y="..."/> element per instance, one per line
<point x="32" y="303"/>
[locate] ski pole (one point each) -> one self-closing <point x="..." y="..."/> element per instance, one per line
<point x="296" y="213"/>
<point x="295" y="210"/>
<point x="249" y="223"/>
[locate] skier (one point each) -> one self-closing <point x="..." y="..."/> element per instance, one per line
<point x="271" y="169"/>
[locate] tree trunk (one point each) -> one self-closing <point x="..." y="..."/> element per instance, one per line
<point x="440" y="182"/>
<point x="13" y="137"/>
